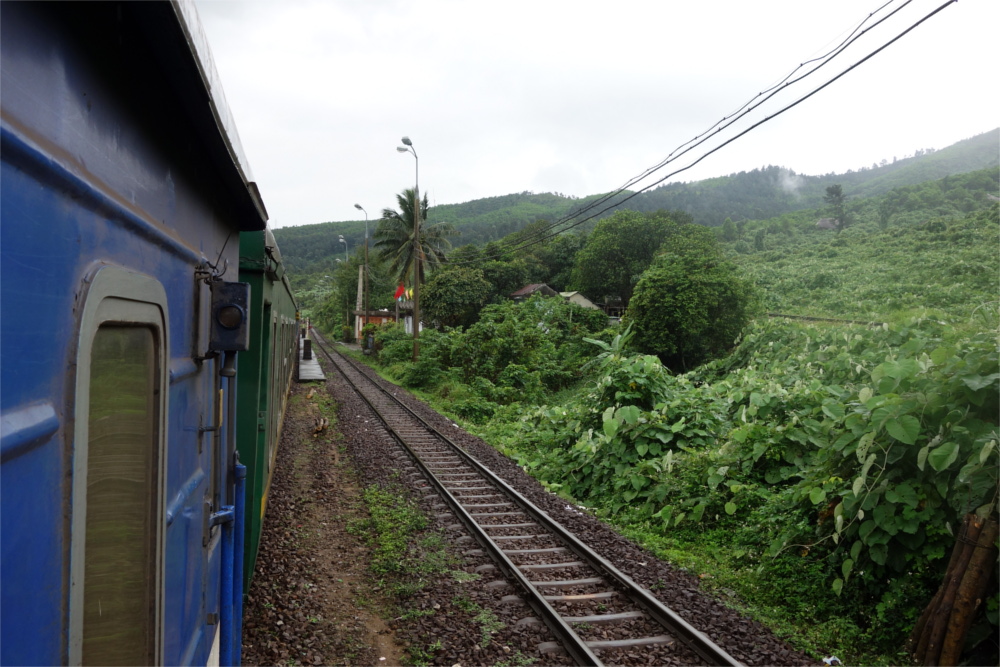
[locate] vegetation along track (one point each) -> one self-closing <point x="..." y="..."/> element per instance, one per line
<point x="572" y="589"/>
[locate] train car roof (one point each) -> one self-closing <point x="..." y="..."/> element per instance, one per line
<point x="154" y="55"/>
<point x="197" y="42"/>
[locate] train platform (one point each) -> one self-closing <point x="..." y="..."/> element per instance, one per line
<point x="309" y="369"/>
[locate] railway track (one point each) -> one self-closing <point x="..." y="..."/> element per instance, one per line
<point x="569" y="587"/>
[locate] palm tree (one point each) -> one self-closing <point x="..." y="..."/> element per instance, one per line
<point x="394" y="237"/>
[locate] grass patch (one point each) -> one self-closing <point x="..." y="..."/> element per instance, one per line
<point x="405" y="556"/>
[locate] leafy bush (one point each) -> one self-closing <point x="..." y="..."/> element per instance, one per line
<point x="852" y="450"/>
<point x="691" y="305"/>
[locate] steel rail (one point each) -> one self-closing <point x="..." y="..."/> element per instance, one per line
<point x="575" y="646"/>
<point x="690" y="636"/>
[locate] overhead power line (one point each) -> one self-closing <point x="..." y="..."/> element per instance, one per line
<point x="602" y="203"/>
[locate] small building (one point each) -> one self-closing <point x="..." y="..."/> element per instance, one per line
<point x="377" y="317"/>
<point x="530" y="290"/>
<point x="579" y="299"/>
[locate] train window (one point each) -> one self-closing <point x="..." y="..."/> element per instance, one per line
<point x="116" y="569"/>
<point x="118" y="605"/>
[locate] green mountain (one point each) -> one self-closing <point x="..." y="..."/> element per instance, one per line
<point x="755" y="195"/>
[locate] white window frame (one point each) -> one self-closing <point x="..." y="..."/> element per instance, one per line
<point x="116" y="296"/>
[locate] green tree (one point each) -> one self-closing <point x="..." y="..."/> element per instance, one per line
<point x="619" y="249"/>
<point x="692" y="304"/>
<point x="835" y="199"/>
<point x="728" y="230"/>
<point x="759" y="243"/>
<point x="394" y="237"/>
<point x="558" y="256"/>
<point x="454" y="297"/>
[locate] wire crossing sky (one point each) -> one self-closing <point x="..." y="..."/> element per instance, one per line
<point x="573" y="97"/>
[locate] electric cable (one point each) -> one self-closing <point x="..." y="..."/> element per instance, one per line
<point x="546" y="233"/>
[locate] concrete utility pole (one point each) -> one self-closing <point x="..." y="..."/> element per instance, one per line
<point x="365" y="321"/>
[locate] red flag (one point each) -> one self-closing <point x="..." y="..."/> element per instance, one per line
<point x="400" y="291"/>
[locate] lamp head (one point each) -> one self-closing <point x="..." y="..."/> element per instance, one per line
<point x="401" y="149"/>
<point x="358" y="206"/>
<point x="407" y="142"/>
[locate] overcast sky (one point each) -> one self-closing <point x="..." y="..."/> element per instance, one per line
<point x="579" y="97"/>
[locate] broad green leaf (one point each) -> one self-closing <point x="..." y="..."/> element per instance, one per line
<point x="902" y="369"/>
<point x="984" y="453"/>
<point x="856" y="549"/>
<point x="878" y="372"/>
<point x="878" y="553"/>
<point x="680" y="517"/>
<point x="864" y="444"/>
<point x="864" y="394"/>
<point x="922" y="456"/>
<point x="833" y="409"/>
<point x="730" y="508"/>
<point x="866" y="530"/>
<point x="838" y="585"/>
<point x="943" y="456"/>
<point x="817" y="495"/>
<point x="859" y="485"/>
<point x="629" y="413"/>
<point x="679" y="425"/>
<point x="610" y="423"/>
<point x="846" y="567"/>
<point x="880" y="415"/>
<point x="697" y="512"/>
<point x="641" y="448"/>
<point x="905" y="428"/>
<point x="941" y="354"/>
<point x="977" y="382"/>
<point x="867" y="466"/>
<point x="905" y="494"/>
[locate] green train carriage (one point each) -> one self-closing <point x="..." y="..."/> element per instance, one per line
<point x="265" y="375"/>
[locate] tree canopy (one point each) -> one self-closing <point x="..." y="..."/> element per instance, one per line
<point x="454" y="297"/>
<point x="618" y="251"/>
<point x="394" y="237"/>
<point x="692" y="304"/>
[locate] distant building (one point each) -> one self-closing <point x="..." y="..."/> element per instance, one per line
<point x="579" y="299"/>
<point x="378" y="317"/>
<point x="530" y="290"/>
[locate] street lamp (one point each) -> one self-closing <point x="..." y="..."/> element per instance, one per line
<point x="361" y="208"/>
<point x="407" y="147"/>
<point x="344" y="241"/>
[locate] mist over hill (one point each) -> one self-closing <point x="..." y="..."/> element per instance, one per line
<point x="759" y="194"/>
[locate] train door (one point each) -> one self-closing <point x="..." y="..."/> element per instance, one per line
<point x="117" y="529"/>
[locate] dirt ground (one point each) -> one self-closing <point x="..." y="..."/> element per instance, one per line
<point x="310" y="602"/>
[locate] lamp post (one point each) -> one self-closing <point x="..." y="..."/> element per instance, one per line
<point x="407" y="147"/>
<point x="365" y="320"/>
<point x="344" y="241"/>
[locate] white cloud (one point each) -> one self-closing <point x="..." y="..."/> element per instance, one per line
<point x="574" y="97"/>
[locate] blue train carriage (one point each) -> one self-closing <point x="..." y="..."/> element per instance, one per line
<point x="265" y="375"/>
<point x="123" y="193"/>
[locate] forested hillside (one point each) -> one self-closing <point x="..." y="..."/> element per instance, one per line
<point x="756" y="195"/>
